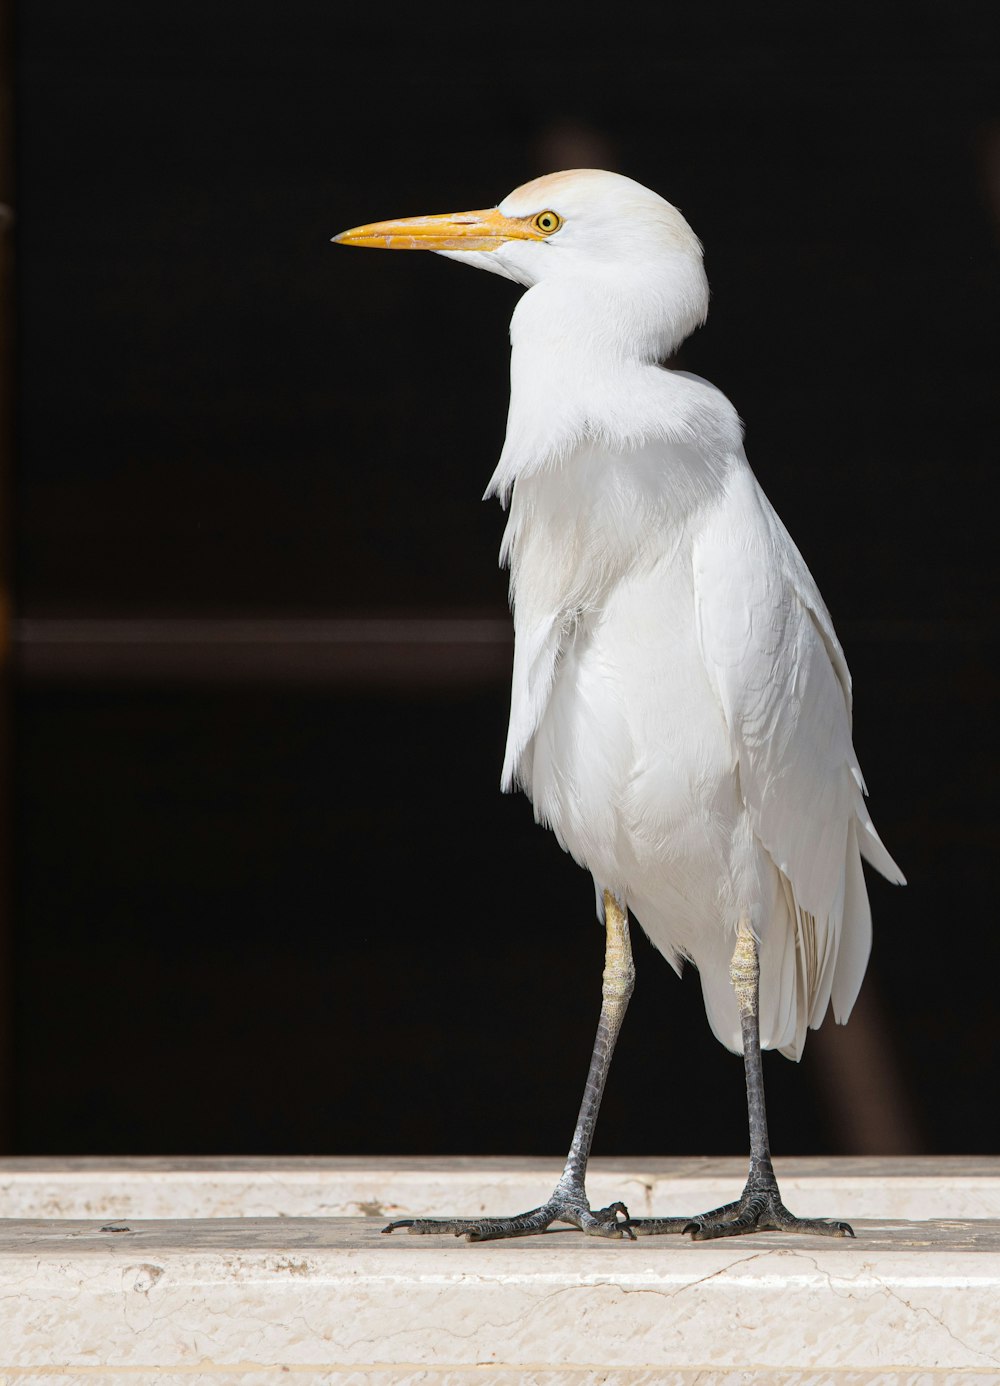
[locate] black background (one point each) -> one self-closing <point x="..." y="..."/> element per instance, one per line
<point x="296" y="915"/>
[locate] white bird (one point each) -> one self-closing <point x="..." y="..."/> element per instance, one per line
<point x="681" y="706"/>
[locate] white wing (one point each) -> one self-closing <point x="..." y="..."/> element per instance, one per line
<point x="783" y="684"/>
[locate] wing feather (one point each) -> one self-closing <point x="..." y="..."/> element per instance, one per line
<point x="785" y="691"/>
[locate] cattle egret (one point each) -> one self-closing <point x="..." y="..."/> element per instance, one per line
<point x="680" y="705"/>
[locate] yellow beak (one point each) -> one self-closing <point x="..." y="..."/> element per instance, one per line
<point x="452" y="231"/>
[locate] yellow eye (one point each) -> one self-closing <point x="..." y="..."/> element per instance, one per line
<point x="547" y="222"/>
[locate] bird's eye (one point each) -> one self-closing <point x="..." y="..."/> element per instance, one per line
<point x="547" y="222"/>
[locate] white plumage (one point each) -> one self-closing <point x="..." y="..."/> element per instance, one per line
<point x="681" y="706"/>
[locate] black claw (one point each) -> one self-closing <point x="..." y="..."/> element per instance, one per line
<point x="615" y="1217"/>
<point x="610" y="1213"/>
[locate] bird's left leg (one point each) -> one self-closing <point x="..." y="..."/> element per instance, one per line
<point x="759" y="1207"/>
<point x="569" y="1202"/>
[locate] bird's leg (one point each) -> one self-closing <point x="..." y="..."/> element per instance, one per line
<point x="616" y="990"/>
<point x="759" y="1207"/>
<point x="568" y="1202"/>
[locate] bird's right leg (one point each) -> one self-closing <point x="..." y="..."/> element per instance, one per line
<point x="759" y="1208"/>
<point x="569" y="1202"/>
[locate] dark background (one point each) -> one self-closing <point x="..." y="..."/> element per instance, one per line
<point x="267" y="897"/>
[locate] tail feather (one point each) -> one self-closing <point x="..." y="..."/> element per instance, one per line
<point x="872" y="847"/>
<point x="856" y="943"/>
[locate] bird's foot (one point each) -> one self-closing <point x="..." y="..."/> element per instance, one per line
<point x="759" y="1209"/>
<point x="574" y="1209"/>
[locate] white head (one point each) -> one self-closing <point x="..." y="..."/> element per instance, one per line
<point x="619" y="253"/>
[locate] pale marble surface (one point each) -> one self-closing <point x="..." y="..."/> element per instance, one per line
<point x="246" y="1186"/>
<point x="254" y="1300"/>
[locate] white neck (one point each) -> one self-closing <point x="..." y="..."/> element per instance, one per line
<point x="584" y="356"/>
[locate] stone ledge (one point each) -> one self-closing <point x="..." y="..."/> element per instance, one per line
<point x="393" y="1186"/>
<point x="254" y="1300"/>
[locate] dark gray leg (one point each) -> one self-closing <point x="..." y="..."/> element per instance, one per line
<point x="759" y="1208"/>
<point x="569" y="1202"/>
